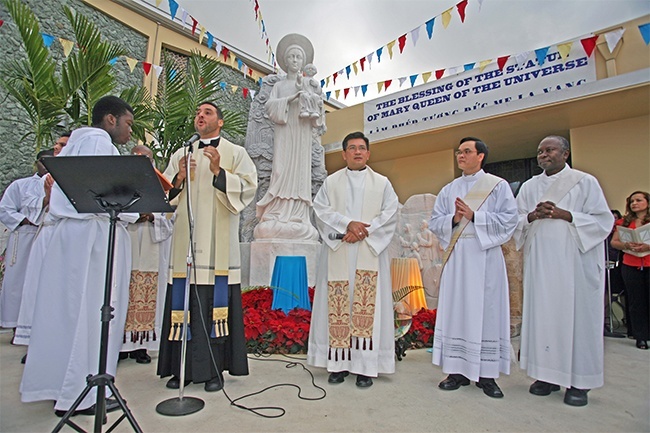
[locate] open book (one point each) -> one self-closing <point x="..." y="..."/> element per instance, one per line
<point x="639" y="235"/>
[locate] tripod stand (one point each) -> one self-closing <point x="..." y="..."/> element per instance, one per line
<point x="609" y="265"/>
<point x="112" y="184"/>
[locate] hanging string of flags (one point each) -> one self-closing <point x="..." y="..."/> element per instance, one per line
<point x="588" y="44"/>
<point x="132" y="63"/>
<point x="263" y="34"/>
<point x="414" y="35"/>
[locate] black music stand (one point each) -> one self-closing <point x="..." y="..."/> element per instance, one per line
<point x="107" y="184"/>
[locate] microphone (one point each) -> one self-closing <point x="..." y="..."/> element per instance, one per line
<point x="335" y="236"/>
<point x="192" y="139"/>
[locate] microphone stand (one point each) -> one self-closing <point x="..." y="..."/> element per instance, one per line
<point x="184" y="405"/>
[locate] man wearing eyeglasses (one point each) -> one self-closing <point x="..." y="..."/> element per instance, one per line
<point x="472" y="217"/>
<point x="352" y="319"/>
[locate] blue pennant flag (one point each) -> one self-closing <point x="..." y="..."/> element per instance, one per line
<point x="645" y="32"/>
<point x="239" y="64"/>
<point x="469" y="66"/>
<point x="112" y="61"/>
<point x="413" y="78"/>
<point x="173" y="8"/>
<point x="328" y="94"/>
<point x="379" y="54"/>
<point x="541" y="55"/>
<point x="322" y="83"/>
<point x="364" y="89"/>
<point x="347" y="71"/>
<point x="47" y="39"/>
<point x="210" y="40"/>
<point x="172" y="74"/>
<point x="222" y="85"/>
<point x="429" y="25"/>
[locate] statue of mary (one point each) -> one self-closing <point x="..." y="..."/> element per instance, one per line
<point x="284" y="211"/>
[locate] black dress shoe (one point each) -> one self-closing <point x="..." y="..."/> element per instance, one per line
<point x="338" y="377"/>
<point x="642" y="344"/>
<point x="122" y="356"/>
<point x="489" y="387"/>
<point x="175" y="383"/>
<point x="543" y="388"/>
<point x="214" y="384"/>
<point x="140" y="356"/>
<point x="364" y="381"/>
<point x="453" y="381"/>
<point x="111" y="405"/>
<point x="576" y="397"/>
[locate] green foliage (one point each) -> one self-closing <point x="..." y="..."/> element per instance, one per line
<point x="32" y="81"/>
<point x="87" y="74"/>
<point x="176" y="103"/>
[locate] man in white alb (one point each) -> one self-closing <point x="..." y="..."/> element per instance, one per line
<point x="563" y="221"/>
<point x="352" y="327"/>
<point x="473" y="216"/>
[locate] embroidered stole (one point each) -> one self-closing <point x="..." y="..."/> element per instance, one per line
<point x="556" y="192"/>
<point x="474" y="198"/>
<point x="348" y="325"/>
<point x="219" y="326"/>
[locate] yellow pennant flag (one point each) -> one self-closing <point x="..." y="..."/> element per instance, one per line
<point x="446" y="17"/>
<point x="201" y="34"/>
<point x="67" y="46"/>
<point x="355" y="67"/>
<point x="564" y="49"/>
<point x="390" y="49"/>
<point x="327" y="81"/>
<point x="380" y="86"/>
<point x="131" y="62"/>
<point x="234" y="88"/>
<point x="337" y="93"/>
<point x="483" y="64"/>
<point x="158" y="3"/>
<point x="426" y="76"/>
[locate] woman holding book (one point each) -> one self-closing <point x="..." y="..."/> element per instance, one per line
<point x="632" y="237"/>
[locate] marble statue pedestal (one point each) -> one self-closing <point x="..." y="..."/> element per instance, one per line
<point x="263" y="254"/>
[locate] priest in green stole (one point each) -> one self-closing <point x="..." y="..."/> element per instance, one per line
<point x="223" y="182"/>
<point x="352" y="327"/>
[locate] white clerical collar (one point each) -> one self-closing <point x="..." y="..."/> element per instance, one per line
<point x="471" y="177"/>
<point x="361" y="170"/>
<point x="559" y="172"/>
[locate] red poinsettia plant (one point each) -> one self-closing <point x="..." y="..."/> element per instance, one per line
<point x="421" y="332"/>
<point x="273" y="331"/>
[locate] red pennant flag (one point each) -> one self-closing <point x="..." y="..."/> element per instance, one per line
<point x="225" y="53"/>
<point x="194" y="23"/>
<point x="244" y="92"/>
<point x="589" y="44"/>
<point x="147" y="67"/>
<point x="345" y="92"/>
<point x="250" y="72"/>
<point x="362" y="60"/>
<point x="402" y="42"/>
<point x="1" y="22"/>
<point x="336" y="74"/>
<point x="257" y="8"/>
<point x="501" y="61"/>
<point x="387" y="83"/>
<point x="461" y="10"/>
<point x="439" y="73"/>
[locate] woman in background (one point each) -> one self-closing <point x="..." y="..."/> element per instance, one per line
<point x="636" y="266"/>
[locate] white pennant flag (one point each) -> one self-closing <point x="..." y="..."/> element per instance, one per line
<point x="158" y="70"/>
<point x="184" y="16"/>
<point x="612" y="38"/>
<point x="480" y="3"/>
<point x="369" y="58"/>
<point x="252" y="92"/>
<point x="401" y="81"/>
<point x="356" y="91"/>
<point x="415" y="34"/>
<point x="521" y="57"/>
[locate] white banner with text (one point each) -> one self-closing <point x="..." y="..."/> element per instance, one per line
<point x="451" y="99"/>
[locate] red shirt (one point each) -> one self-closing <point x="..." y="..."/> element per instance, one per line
<point x="629" y="259"/>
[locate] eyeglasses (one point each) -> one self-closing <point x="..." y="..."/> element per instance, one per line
<point x="466" y="152"/>
<point x="354" y="148"/>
